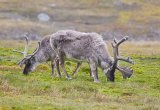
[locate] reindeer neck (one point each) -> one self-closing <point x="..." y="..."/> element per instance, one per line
<point x="104" y="57"/>
<point x="41" y="57"/>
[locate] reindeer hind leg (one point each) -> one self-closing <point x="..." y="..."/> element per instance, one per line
<point x="63" y="68"/>
<point x="53" y="66"/>
<point x="77" y="68"/>
<point x="58" y="69"/>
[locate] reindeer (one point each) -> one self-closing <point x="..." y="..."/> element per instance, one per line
<point x="43" y="53"/>
<point x="89" y="47"/>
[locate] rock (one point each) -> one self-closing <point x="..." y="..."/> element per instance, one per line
<point x="43" y="17"/>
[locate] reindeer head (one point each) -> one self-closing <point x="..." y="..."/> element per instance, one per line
<point x="29" y="60"/>
<point x="126" y="72"/>
<point x="29" y="63"/>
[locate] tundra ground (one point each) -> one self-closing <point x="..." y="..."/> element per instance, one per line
<point x="40" y="90"/>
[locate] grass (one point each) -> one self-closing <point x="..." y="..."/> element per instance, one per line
<point x="39" y="90"/>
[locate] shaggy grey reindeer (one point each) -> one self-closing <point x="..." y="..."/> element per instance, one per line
<point x="89" y="47"/>
<point x="43" y="53"/>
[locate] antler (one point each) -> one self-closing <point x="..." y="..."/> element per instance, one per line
<point x="39" y="44"/>
<point x="126" y="72"/>
<point x="25" y="48"/>
<point x="27" y="56"/>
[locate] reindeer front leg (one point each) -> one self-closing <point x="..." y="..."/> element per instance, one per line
<point x="91" y="75"/>
<point x="94" y="71"/>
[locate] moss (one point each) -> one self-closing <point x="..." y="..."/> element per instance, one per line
<point x="40" y="90"/>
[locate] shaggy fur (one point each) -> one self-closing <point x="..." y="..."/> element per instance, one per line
<point x="82" y="46"/>
<point x="45" y="53"/>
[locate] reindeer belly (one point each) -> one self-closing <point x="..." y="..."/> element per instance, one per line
<point x="74" y="56"/>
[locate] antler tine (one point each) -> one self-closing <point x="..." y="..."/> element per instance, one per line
<point x="126" y="72"/>
<point x="18" y="51"/>
<point x="39" y="44"/>
<point x="129" y="60"/>
<point x="122" y="40"/>
<point x="117" y="43"/>
<point x="115" y="40"/>
<point x="25" y="48"/>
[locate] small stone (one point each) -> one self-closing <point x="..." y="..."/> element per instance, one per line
<point x="43" y="17"/>
<point x="52" y="5"/>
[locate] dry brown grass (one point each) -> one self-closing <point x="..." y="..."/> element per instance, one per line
<point x="140" y="48"/>
<point x="19" y="16"/>
<point x="146" y="48"/>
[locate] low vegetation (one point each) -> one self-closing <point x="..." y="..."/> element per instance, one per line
<point x="137" y="18"/>
<point x="40" y="90"/>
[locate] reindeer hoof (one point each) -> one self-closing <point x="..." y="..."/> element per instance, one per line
<point x="96" y="81"/>
<point x="91" y="76"/>
<point x="60" y="76"/>
<point x="54" y="75"/>
<point x="69" y="78"/>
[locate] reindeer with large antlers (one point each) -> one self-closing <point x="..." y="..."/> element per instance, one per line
<point x="89" y="47"/>
<point x="43" y="53"/>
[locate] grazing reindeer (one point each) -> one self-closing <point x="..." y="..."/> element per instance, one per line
<point x="42" y="54"/>
<point x="90" y="47"/>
